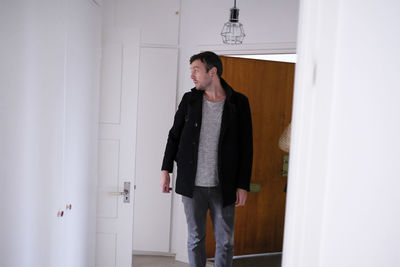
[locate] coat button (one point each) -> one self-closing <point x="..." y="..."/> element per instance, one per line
<point x="195" y="124"/>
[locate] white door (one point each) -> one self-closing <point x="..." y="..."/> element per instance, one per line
<point x="156" y="108"/>
<point x="117" y="136"/>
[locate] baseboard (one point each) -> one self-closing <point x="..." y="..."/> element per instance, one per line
<point x="152" y="253"/>
<point x="252" y="255"/>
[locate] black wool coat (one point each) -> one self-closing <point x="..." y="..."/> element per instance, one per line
<point x="235" y="148"/>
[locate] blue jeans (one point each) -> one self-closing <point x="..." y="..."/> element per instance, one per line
<point x="223" y="219"/>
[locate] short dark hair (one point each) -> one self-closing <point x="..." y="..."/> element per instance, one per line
<point x="210" y="59"/>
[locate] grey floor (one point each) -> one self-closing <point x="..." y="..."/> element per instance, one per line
<point x="156" y="261"/>
<point x="161" y="261"/>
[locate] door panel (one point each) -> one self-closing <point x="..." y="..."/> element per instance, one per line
<point x="107" y="207"/>
<point x="157" y="90"/>
<point x="269" y="87"/>
<point x="105" y="249"/>
<point x="111" y="84"/>
<point x="119" y="89"/>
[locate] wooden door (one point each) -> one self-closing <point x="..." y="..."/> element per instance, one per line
<point x="269" y="87"/>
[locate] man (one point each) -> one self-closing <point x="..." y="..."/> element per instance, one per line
<point x="211" y="142"/>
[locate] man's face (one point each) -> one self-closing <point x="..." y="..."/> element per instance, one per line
<point x="201" y="78"/>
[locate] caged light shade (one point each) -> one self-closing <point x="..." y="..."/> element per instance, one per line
<point x="232" y="32"/>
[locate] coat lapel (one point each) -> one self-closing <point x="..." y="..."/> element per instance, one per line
<point x="229" y="109"/>
<point x="196" y="107"/>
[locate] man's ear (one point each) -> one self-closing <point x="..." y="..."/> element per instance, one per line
<point x="213" y="71"/>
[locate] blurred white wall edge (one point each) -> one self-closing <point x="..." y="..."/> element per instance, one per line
<point x="342" y="203"/>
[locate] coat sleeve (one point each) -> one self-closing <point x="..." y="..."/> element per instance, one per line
<point x="174" y="135"/>
<point x="245" y="145"/>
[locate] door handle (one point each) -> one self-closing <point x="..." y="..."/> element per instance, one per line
<point x="126" y="193"/>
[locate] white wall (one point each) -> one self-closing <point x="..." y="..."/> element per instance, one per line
<point x="48" y="99"/>
<point x="342" y="195"/>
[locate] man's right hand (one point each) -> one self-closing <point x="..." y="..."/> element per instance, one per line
<point x="164" y="183"/>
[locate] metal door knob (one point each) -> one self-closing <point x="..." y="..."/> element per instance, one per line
<point x="125" y="193"/>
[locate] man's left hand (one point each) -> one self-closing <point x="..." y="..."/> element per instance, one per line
<point x="241" y="196"/>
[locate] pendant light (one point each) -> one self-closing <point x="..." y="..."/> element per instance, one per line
<point x="232" y="32"/>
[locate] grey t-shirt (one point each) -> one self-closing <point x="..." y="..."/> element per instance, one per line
<point x="207" y="163"/>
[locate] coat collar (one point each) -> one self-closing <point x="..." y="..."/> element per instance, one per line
<point x="227" y="88"/>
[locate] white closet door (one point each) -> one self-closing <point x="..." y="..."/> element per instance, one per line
<point x="32" y="126"/>
<point x="117" y="135"/>
<point x="81" y="127"/>
<point x="156" y="108"/>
